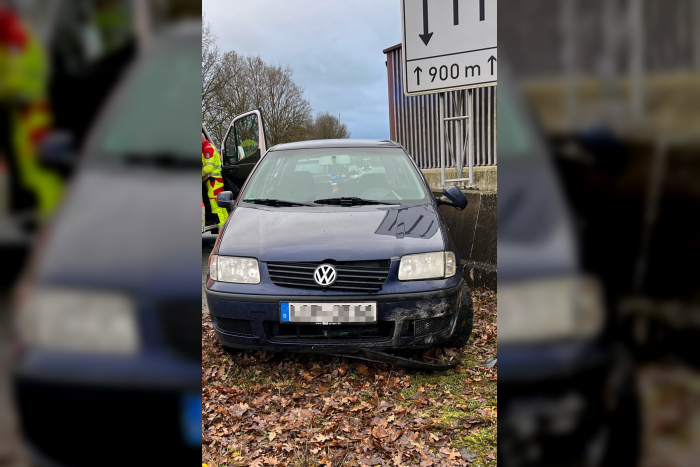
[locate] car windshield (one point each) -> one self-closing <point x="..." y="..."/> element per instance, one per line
<point x="319" y="176"/>
<point x="152" y="117"/>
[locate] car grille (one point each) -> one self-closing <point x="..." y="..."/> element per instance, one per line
<point x="425" y="327"/>
<point x="362" y="276"/>
<point x="181" y="326"/>
<point x="319" y="333"/>
<point x="241" y="327"/>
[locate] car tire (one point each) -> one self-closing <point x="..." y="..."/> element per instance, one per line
<point x="465" y="321"/>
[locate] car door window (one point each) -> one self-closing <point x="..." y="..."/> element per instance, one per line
<point x="242" y="140"/>
<point x="246" y="131"/>
<point x="231" y="148"/>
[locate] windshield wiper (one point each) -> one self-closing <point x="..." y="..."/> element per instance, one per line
<point x="276" y="202"/>
<point x="350" y="201"/>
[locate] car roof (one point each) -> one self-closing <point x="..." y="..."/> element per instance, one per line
<point x="336" y="143"/>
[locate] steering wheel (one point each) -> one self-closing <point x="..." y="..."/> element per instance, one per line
<point x="375" y="193"/>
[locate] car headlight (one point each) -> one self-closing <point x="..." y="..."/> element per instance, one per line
<point x="233" y="269"/>
<point x="538" y="311"/>
<point x="79" y="321"/>
<point x="438" y="265"/>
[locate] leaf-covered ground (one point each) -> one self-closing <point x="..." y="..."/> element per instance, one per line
<point x="297" y="410"/>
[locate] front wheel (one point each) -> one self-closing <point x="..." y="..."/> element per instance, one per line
<point x="465" y="321"/>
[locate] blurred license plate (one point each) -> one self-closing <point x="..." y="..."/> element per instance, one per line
<point x="328" y="313"/>
<point x="192" y="419"/>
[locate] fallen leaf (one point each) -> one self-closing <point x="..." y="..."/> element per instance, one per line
<point x="379" y="432"/>
<point x="467" y="455"/>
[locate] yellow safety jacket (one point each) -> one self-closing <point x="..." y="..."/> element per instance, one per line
<point x="23" y="68"/>
<point x="211" y="161"/>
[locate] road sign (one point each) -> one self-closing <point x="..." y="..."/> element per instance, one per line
<point x="448" y="45"/>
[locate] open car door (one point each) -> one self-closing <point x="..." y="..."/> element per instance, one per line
<point x="244" y="144"/>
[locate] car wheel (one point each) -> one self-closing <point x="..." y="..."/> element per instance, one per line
<point x="465" y="321"/>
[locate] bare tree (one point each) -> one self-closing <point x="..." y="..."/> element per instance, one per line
<point x="212" y="80"/>
<point x="210" y="65"/>
<point x="232" y="97"/>
<point x="233" y="84"/>
<point x="285" y="110"/>
<point x="327" y="126"/>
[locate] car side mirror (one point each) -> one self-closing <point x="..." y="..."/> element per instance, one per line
<point x="225" y="200"/>
<point x="452" y="196"/>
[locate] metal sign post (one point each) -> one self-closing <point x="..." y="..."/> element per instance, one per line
<point x="450" y="46"/>
<point x="460" y="148"/>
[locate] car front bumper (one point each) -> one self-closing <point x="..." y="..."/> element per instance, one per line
<point x="552" y="402"/>
<point x="76" y="409"/>
<point x="404" y="321"/>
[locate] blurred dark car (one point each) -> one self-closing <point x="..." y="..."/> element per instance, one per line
<point x="87" y="46"/>
<point x="107" y="364"/>
<point x="567" y="394"/>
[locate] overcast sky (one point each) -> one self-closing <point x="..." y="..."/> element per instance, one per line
<point x="333" y="46"/>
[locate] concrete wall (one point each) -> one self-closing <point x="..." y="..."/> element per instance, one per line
<point x="474" y="234"/>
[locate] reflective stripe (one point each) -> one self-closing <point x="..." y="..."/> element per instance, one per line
<point x="211" y="166"/>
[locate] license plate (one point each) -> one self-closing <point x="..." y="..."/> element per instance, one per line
<point x="192" y="419"/>
<point x="328" y="313"/>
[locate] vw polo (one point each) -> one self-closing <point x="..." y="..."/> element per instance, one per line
<point x="337" y="244"/>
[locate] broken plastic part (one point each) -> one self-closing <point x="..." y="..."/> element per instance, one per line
<point x="381" y="357"/>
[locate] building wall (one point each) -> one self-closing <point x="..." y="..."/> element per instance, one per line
<point x="414" y="121"/>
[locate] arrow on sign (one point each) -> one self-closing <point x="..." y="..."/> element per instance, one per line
<point x="426" y="35"/>
<point x="492" y="59"/>
<point x="455" y="11"/>
<point x="482" y="14"/>
<point x="418" y="71"/>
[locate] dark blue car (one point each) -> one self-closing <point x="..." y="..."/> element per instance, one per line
<point x="566" y="389"/>
<point x="337" y="244"/>
<point x="107" y="362"/>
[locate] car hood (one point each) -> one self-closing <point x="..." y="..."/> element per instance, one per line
<point x="340" y="234"/>
<point x="126" y="229"/>
<point x="536" y="237"/>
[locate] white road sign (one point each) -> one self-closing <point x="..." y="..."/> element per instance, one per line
<point x="448" y="45"/>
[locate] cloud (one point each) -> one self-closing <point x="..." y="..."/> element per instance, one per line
<point x="334" y="47"/>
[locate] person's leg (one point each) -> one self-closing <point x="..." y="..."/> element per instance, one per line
<point x="214" y="187"/>
<point x="32" y="123"/>
<point x="19" y="198"/>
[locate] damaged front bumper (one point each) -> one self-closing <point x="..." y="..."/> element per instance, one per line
<point x="404" y="321"/>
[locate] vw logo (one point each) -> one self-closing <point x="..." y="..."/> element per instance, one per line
<point x="325" y="275"/>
